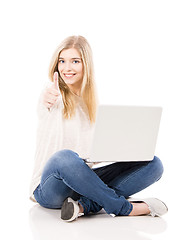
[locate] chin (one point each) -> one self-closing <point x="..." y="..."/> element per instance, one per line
<point x="69" y="82"/>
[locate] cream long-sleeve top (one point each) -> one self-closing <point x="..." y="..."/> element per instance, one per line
<point x="54" y="133"/>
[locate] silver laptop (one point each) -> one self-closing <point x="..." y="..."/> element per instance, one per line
<point x="125" y="133"/>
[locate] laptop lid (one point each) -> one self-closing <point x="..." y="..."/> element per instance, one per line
<point x="125" y="133"/>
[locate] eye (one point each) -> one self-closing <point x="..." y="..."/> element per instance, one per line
<point x="61" y="61"/>
<point x="76" y="61"/>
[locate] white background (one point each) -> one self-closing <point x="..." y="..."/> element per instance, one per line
<point x="136" y="49"/>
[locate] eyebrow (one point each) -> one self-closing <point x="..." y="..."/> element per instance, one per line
<point x="71" y="58"/>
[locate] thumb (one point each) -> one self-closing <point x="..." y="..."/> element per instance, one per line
<point x="55" y="80"/>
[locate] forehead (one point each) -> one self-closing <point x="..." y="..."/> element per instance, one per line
<point x="70" y="53"/>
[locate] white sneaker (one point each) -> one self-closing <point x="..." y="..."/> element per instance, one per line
<point x="156" y="206"/>
<point x="70" y="210"/>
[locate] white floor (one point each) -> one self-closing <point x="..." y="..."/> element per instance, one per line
<point x="44" y="224"/>
<point x="26" y="220"/>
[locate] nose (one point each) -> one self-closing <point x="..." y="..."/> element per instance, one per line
<point x="67" y="66"/>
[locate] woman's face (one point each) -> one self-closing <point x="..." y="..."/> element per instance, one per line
<point x="70" y="67"/>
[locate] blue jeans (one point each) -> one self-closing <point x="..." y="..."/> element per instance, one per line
<point x="67" y="175"/>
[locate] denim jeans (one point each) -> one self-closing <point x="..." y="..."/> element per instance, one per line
<point x="67" y="175"/>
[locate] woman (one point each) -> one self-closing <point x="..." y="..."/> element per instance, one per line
<point x="62" y="178"/>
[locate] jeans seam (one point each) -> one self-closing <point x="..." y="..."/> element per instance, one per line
<point x="51" y="175"/>
<point x="42" y="197"/>
<point x="41" y="190"/>
<point x="44" y="202"/>
<point x="129" y="209"/>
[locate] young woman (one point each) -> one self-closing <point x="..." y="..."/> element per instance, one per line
<point x="62" y="179"/>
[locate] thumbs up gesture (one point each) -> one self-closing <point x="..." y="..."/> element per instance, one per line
<point x="52" y="93"/>
<point x="55" y="81"/>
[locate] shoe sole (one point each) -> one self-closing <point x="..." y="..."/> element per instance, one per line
<point x="69" y="210"/>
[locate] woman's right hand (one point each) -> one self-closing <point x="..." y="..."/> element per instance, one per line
<point x="52" y="93"/>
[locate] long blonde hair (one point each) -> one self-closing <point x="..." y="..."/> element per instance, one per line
<point x="88" y="88"/>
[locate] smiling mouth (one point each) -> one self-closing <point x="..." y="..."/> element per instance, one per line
<point x="69" y="75"/>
